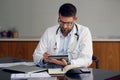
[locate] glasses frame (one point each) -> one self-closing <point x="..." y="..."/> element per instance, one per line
<point x="62" y="23"/>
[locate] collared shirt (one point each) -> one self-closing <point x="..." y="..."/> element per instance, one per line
<point x="64" y="42"/>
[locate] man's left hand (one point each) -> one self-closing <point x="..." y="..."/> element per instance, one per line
<point x="62" y="62"/>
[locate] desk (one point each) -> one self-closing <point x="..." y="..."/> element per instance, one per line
<point x="96" y="74"/>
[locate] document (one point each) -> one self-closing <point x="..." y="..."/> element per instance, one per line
<point x="26" y="76"/>
<point x="43" y="78"/>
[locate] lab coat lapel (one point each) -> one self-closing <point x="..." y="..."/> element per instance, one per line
<point x="58" y="42"/>
<point x="73" y="39"/>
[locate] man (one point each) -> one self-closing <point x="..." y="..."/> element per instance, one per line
<point x="67" y="38"/>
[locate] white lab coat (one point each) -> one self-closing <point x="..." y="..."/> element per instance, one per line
<point x="79" y="52"/>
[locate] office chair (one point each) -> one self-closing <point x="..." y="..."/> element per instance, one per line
<point x="96" y="59"/>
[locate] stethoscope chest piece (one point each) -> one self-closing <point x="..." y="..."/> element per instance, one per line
<point x="55" y="47"/>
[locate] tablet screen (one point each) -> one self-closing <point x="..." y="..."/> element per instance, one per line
<point x="59" y="57"/>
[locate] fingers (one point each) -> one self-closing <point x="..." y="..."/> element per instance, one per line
<point x="45" y="56"/>
<point x="61" y="62"/>
<point x="64" y="62"/>
<point x="52" y="60"/>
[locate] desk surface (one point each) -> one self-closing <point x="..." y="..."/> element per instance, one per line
<point x="96" y="74"/>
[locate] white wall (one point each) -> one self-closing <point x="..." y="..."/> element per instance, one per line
<point x="32" y="17"/>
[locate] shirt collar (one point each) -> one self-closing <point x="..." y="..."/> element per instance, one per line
<point x="69" y="34"/>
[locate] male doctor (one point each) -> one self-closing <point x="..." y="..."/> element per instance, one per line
<point x="66" y="38"/>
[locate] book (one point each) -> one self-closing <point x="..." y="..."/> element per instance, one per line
<point x="61" y="71"/>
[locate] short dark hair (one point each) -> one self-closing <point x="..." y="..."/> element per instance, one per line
<point x="67" y="10"/>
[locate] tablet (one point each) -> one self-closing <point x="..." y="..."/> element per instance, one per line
<point x="59" y="57"/>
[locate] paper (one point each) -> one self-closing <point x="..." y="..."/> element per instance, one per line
<point x="45" y="78"/>
<point x="32" y="75"/>
<point x="16" y="63"/>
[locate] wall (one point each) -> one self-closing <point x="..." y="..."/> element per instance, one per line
<point x="32" y="17"/>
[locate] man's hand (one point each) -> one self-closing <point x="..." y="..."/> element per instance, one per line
<point x="45" y="57"/>
<point x="61" y="62"/>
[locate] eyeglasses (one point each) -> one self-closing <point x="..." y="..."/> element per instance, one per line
<point x="63" y="23"/>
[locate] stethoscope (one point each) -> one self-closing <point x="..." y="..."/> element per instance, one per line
<point x="76" y="34"/>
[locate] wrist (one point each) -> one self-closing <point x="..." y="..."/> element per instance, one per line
<point x="43" y="61"/>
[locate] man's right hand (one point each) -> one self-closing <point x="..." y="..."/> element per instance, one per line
<point x="45" y="56"/>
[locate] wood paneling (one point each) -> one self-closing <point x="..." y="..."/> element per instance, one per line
<point x="31" y="47"/>
<point x="108" y="53"/>
<point x="3" y="49"/>
<point x="18" y="49"/>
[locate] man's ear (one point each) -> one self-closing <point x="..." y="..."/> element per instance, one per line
<point x="75" y="19"/>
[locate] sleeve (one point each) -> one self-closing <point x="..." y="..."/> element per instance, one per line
<point x="40" y="49"/>
<point x="84" y="51"/>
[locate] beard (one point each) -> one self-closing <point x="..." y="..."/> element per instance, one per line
<point x="65" y="31"/>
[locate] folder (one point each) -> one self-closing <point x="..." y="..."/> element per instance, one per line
<point x="24" y="68"/>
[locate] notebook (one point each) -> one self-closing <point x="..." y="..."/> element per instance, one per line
<point x="25" y="68"/>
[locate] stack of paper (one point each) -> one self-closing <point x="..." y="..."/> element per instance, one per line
<point x="27" y="76"/>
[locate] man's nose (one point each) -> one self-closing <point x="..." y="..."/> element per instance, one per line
<point x="64" y="25"/>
